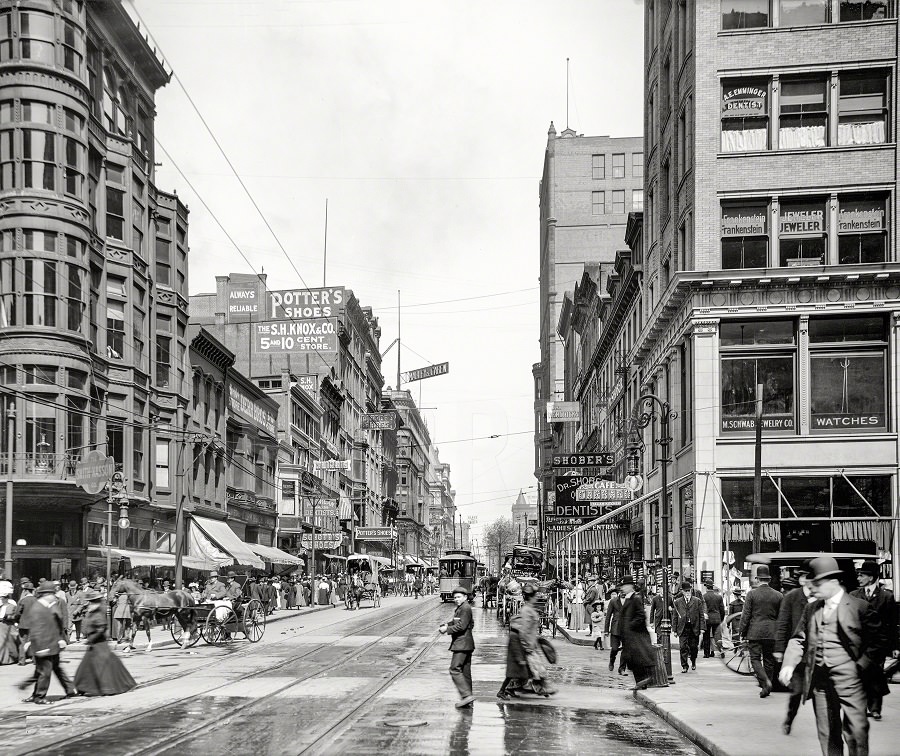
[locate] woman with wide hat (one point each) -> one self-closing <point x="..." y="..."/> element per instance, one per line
<point x="100" y="673"/>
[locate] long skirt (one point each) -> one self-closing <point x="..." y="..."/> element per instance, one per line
<point x="9" y="650"/>
<point x="301" y="596"/>
<point x="322" y="598"/>
<point x="101" y="673"/>
<point x="516" y="665"/>
<point x="577" y="617"/>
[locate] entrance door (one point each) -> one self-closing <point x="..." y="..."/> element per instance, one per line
<point x="806" y="536"/>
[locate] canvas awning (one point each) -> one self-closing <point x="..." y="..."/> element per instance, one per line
<point x="155" y="559"/>
<point x="224" y="539"/>
<point x="376" y="559"/>
<point x="273" y="555"/>
<point x="332" y="556"/>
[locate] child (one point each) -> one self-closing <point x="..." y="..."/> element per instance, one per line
<point x="597" y="618"/>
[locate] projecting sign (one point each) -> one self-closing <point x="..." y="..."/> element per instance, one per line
<point x="280" y="337"/>
<point x="603" y="490"/>
<point x="563" y="412"/>
<point x="375" y="534"/>
<point x="323" y="540"/>
<point x="597" y="459"/>
<point x="94" y="470"/>
<point x="442" y="368"/>
<point x="567" y="505"/>
<point x="331" y="464"/>
<point x="380" y="420"/>
<point x="309" y="383"/>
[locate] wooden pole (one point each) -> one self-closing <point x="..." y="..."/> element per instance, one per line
<point x="757" y="472"/>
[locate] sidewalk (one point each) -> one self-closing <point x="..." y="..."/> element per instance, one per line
<point x="722" y="712"/>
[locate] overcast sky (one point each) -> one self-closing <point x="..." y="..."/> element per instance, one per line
<point x="424" y="124"/>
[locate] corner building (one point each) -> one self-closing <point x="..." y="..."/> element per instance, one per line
<point x="769" y="256"/>
<point x="93" y="278"/>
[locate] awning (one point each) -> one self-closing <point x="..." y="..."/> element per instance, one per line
<point x="273" y="555"/>
<point x="226" y="540"/>
<point x="332" y="556"/>
<point x="154" y="559"/>
<point x="376" y="559"/>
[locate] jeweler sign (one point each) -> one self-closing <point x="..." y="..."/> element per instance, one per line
<point x="292" y="336"/>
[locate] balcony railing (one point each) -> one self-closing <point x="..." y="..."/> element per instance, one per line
<point x="55" y="466"/>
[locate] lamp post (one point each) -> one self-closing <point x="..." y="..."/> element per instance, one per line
<point x="10" y="440"/>
<point x="642" y="420"/>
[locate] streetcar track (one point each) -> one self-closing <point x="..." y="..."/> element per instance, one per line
<point x="121" y="721"/>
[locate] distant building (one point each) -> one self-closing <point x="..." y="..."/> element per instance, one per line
<point x="525" y="518"/>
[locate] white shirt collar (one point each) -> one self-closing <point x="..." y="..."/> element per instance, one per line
<point x="836" y="599"/>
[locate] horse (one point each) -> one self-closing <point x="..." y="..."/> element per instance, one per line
<point x="152" y="605"/>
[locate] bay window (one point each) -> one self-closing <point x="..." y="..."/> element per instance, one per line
<point x="164" y="258"/>
<point x="757" y="352"/>
<point x="37" y="37"/>
<point x="745" y="240"/>
<point x="75" y="301"/>
<point x="115" y="441"/>
<point x="75" y="165"/>
<point x="804" y="113"/>
<point x="6" y="38"/>
<point x="8" y="309"/>
<point x="115" y="330"/>
<point x="7" y="160"/>
<point x="73" y="47"/>
<point x="40" y="293"/>
<point x="75" y="415"/>
<point x="801" y="233"/>
<point x="40" y="435"/>
<point x="162" y="463"/>
<point x="862" y="231"/>
<point x="39" y="159"/>
<point x="745" y="115"/>
<point x="847" y="373"/>
<point x="745" y="14"/>
<point x="35" y="111"/>
<point x="163" y="360"/>
<point x="115" y="213"/>
<point x="862" y="108"/>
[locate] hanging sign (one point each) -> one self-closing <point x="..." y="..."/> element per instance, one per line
<point x="331" y="464"/>
<point x="442" y="368"/>
<point x="563" y="412"/>
<point x="323" y="540"/>
<point x="595" y="459"/>
<point x="379" y="421"/>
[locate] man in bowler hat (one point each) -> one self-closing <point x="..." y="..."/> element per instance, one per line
<point x="838" y="638"/>
<point x="881" y="599"/>
<point x="758" y="627"/>
<point x="462" y="646"/>
<point x="690" y="623"/>
<point x="637" y="650"/>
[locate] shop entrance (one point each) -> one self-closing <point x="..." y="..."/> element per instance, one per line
<point x="806" y="536"/>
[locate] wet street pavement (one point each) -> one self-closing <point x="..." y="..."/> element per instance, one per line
<point x="372" y="681"/>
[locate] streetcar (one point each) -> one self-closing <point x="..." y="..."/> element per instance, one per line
<point x="525" y="561"/>
<point x="457" y="568"/>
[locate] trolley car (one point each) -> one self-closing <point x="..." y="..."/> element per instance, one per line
<point x="457" y="568"/>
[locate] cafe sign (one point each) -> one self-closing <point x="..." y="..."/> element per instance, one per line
<point x="743" y="102"/>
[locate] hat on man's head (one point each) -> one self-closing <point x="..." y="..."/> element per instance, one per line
<point x="459" y="589"/>
<point x="686" y="586"/>
<point x="738" y="591"/>
<point x="214" y="574"/>
<point x="528" y="590"/>
<point x="231" y="575"/>
<point x="27" y="586"/>
<point x="762" y="572"/>
<point x="92" y="595"/>
<point x="869" y="568"/>
<point x="626" y="580"/>
<point x="45" y="588"/>
<point x="824" y="567"/>
<point x="24" y="580"/>
<point x="803" y="568"/>
<point x="788" y="581"/>
<point x="72" y="582"/>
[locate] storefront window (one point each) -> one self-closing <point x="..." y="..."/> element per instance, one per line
<point x="745" y="14"/>
<point x="803" y="12"/>
<point x="862" y="230"/>
<point x="745" y="240"/>
<point x="801" y="234"/>
<point x="740" y="376"/>
<point x="846" y="329"/>
<point x="807" y="497"/>
<point x="804" y="114"/>
<point x="745" y="115"/>
<point x="862" y="108"/>
<point x="864" y="10"/>
<point x="737" y="493"/>
<point x="875" y="489"/>
<point x="756" y="332"/>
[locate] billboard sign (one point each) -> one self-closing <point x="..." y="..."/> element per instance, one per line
<point x="304" y="304"/>
<point x="379" y="421"/>
<point x="442" y="368"/>
<point x="296" y="336"/>
<point x="242" y="298"/>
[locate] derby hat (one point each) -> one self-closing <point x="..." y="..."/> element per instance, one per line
<point x="824" y="567"/>
<point x="762" y="572"/>
<point x="231" y="575"/>
<point x="45" y="588"/>
<point x="869" y="568"/>
<point x="686" y="586"/>
<point x="626" y="580"/>
<point x="804" y="567"/>
<point x="528" y="590"/>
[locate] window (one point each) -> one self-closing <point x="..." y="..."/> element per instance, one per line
<point x="163" y="360"/>
<point x="73" y="122"/>
<point x="115" y="441"/>
<point x="115" y="285"/>
<point x="862" y="232"/>
<point x="618" y="163"/>
<point x="74" y="303"/>
<point x="7" y="160"/>
<point x="637" y="165"/>
<point x="745" y="240"/>
<point x="137" y="450"/>
<point x="864" y="10"/>
<point x="598" y="206"/>
<point x="665" y="84"/>
<point x="801" y="234"/>
<point x="618" y="201"/>
<point x="745" y="115"/>
<point x="115" y="330"/>
<point x="804" y="114"/>
<point x="162" y="463"/>
<point x="862" y="109"/>
<point x="39" y="159"/>
<point x="737" y="493"/>
<point x="39" y="241"/>
<point x="740" y="376"/>
<point x="76" y="409"/>
<point x="39" y="375"/>
<point x="39" y="112"/>
<point x="637" y="200"/>
<point x="5" y="35"/>
<point x="745" y="14"/>
<point x="756" y="333"/>
<point x="37" y="37"/>
<point x="40" y="435"/>
<point x="40" y="293"/>
<point x="163" y="262"/>
<point x="115" y="213"/>
<point x="598" y="166"/>
<point x="74" y="174"/>
<point x="73" y="47"/>
<point x="803" y="12"/>
<point x="847" y="373"/>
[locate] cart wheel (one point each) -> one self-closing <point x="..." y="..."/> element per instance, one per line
<point x="178" y="633"/>
<point x="254" y="621"/>
<point x="737" y="657"/>
<point x="217" y="629"/>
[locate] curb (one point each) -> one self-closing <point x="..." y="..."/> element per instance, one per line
<point x="695" y="736"/>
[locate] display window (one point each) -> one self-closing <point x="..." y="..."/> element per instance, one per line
<point x="801" y="234"/>
<point x="745" y="236"/>
<point x="862" y="229"/>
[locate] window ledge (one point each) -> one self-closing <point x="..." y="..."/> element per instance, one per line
<point x="806" y="27"/>
<point x="809" y="150"/>
<point x="794" y="438"/>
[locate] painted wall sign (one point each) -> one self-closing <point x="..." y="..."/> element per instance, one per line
<point x="317" y="335"/>
<point x="742" y="101"/>
<point x="744" y="221"/>
<point x="769" y="422"/>
<point x="839" y="420"/>
<point x="305" y="304"/>
<point x="250" y="409"/>
<point x="242" y="299"/>
<point x="309" y="383"/>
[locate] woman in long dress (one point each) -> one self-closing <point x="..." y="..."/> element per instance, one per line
<point x="100" y="673"/>
<point x="577" y="610"/>
<point x="300" y="591"/>
<point x="528" y="626"/>
<point x="9" y="650"/>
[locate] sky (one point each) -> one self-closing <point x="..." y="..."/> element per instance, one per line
<point x="424" y="125"/>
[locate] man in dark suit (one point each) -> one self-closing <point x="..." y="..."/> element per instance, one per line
<point x="656" y="610"/>
<point x="46" y="636"/>
<point x="688" y="623"/>
<point x="591" y="599"/>
<point x="715" y="614"/>
<point x="838" y="638"/>
<point x="789" y="614"/>
<point x="758" y="627"/>
<point x="637" y="651"/>
<point x="462" y="646"/>
<point x="613" y="630"/>
<point x="881" y="599"/>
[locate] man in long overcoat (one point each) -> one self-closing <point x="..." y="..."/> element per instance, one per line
<point x="689" y="623"/>
<point x="789" y="615"/>
<point x="46" y="636"/>
<point x="614" y="631"/>
<point x="758" y="627"/>
<point x="637" y="650"/>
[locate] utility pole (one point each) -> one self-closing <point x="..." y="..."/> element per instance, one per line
<point x="7" y="533"/>
<point x="757" y="472"/>
<point x="312" y="570"/>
